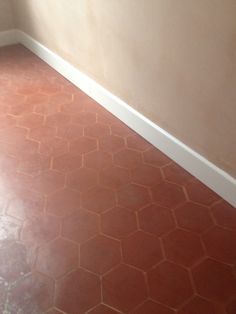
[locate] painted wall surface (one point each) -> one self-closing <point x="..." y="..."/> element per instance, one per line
<point x="6" y="18"/>
<point x="174" y="61"/>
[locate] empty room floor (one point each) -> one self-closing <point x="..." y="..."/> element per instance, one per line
<point x="94" y="219"/>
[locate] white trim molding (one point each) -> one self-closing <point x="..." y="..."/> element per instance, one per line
<point x="208" y="173"/>
<point x="8" y="37"/>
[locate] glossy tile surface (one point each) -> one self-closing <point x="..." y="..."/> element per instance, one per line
<point x="94" y="219"/>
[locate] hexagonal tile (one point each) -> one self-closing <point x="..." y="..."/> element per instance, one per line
<point x="31" y="120"/>
<point x="169" y="284"/>
<point x="49" y="181"/>
<point x="111" y="143"/>
<point x="57" y="258"/>
<point x="97" y="160"/>
<point x="60" y="98"/>
<point x="57" y="119"/>
<point x="98" y="199"/>
<point x="124" y="288"/>
<point x="225" y="215"/>
<point x="72" y="107"/>
<point x="182" y="247"/>
<point x="100" y="254"/>
<point x="155" y="219"/>
<point x="142" y="250"/>
<point x="80" y="226"/>
<point x="138" y="143"/>
<point x="193" y="217"/>
<point x="152" y="307"/>
<point x="133" y="197"/>
<point x="9" y="230"/>
<point x="102" y="309"/>
<point x="199" y="193"/>
<point x="127" y="158"/>
<point x="33" y="164"/>
<point x="146" y="175"/>
<point x="13" y="262"/>
<point x="39" y="299"/>
<point x="214" y="280"/>
<point x="70" y="131"/>
<point x="78" y="292"/>
<point x="84" y="118"/>
<point x="118" y="222"/>
<point x="54" y="147"/>
<point x="176" y="174"/>
<point x="24" y="203"/>
<point x="82" y="179"/>
<point x="42" y="132"/>
<point x="220" y="244"/>
<point x="155" y="157"/>
<point x="83" y="145"/>
<point x="119" y="128"/>
<point x="168" y="194"/>
<point x="67" y="162"/>
<point x="97" y="130"/>
<point x="200" y="305"/>
<point x="63" y="202"/>
<point x="40" y="230"/>
<point x="114" y="177"/>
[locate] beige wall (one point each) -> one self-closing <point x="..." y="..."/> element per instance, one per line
<point x="6" y="19"/>
<point x="174" y="61"/>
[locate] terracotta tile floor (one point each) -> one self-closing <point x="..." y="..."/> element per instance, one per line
<point x="93" y="218"/>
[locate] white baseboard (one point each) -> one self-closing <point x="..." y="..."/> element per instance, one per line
<point x="214" y="177"/>
<point x="8" y="37"/>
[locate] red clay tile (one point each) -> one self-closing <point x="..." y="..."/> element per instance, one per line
<point x="57" y="258"/>
<point x="83" y="145"/>
<point x="155" y="157"/>
<point x="225" y="215"/>
<point x="220" y="244"/>
<point x="67" y="162"/>
<point x="201" y="306"/>
<point x="151" y="307"/>
<point x="118" y="222"/>
<point x="13" y="262"/>
<point x="63" y="202"/>
<point x="214" y="280"/>
<point x="80" y="226"/>
<point x="127" y="158"/>
<point x="70" y="131"/>
<point x="133" y="197"/>
<point x="98" y="199"/>
<point x="199" y="193"/>
<point x="124" y="288"/>
<point x="156" y="219"/>
<point x="59" y="146"/>
<point x="97" y="130"/>
<point x="103" y="309"/>
<point x="182" y="247"/>
<point x="169" y="284"/>
<point x="100" y="254"/>
<point x="24" y="203"/>
<point x="30" y="294"/>
<point x="142" y="250"/>
<point x="114" y="177"/>
<point x="97" y="160"/>
<point x="193" y="217"/>
<point x="168" y="194"/>
<point x="78" y="292"/>
<point x="82" y="179"/>
<point x="138" y="143"/>
<point x="49" y="181"/>
<point x="111" y="143"/>
<point x="174" y="173"/>
<point x="146" y="175"/>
